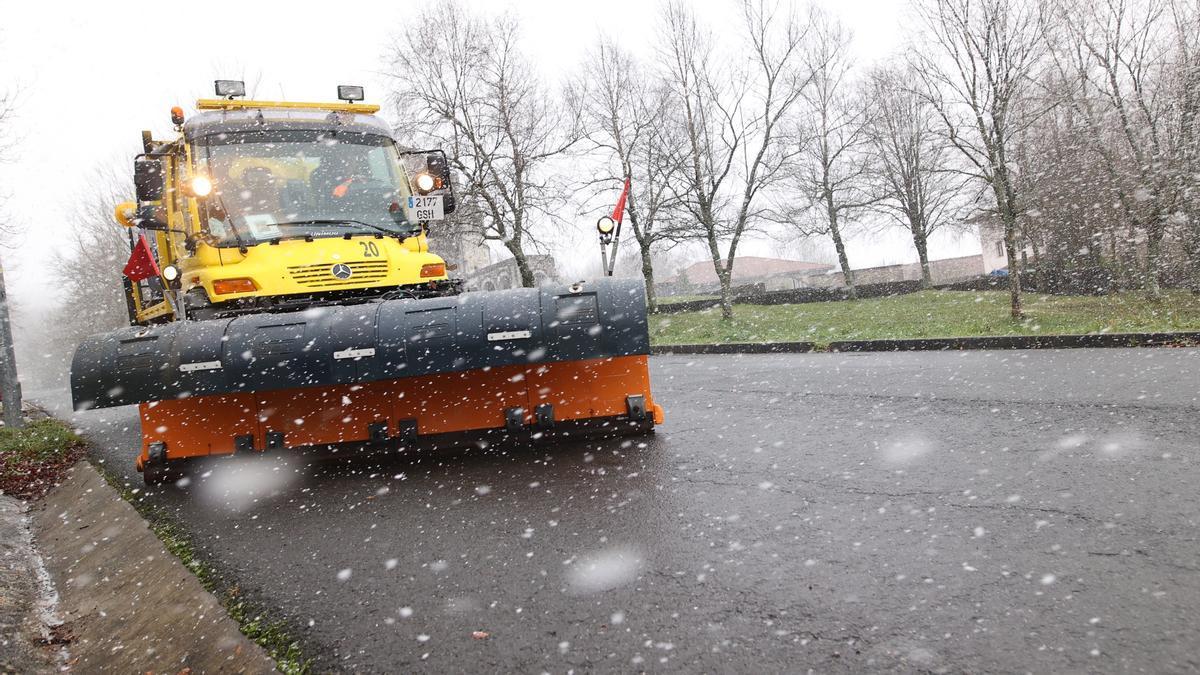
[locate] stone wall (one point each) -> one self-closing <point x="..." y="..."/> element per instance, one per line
<point x="504" y="274"/>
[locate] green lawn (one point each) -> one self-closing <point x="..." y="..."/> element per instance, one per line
<point x="930" y="314"/>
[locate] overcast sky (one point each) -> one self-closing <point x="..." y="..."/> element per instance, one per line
<point x="90" y="76"/>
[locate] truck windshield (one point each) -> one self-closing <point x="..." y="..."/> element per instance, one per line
<point x="302" y="183"/>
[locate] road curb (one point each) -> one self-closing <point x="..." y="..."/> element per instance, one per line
<point x="737" y="348"/>
<point x="128" y="604"/>
<point x="1091" y="340"/>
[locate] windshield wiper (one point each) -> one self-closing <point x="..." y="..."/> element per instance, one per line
<point x="343" y="222"/>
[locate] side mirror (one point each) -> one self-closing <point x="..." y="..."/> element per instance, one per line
<point x="436" y="165"/>
<point x="151" y="217"/>
<point x="149" y="179"/>
<point x="430" y="173"/>
<point x="150" y="182"/>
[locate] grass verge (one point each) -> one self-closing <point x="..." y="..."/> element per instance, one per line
<point x="254" y="622"/>
<point x="34" y="458"/>
<point x="930" y="314"/>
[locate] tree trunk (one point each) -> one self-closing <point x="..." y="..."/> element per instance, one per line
<point x="1014" y="272"/>
<point x="1193" y="254"/>
<point x="10" y="384"/>
<point x="1039" y="280"/>
<point x="843" y="259"/>
<point x="1118" y="260"/>
<point x="1131" y="258"/>
<point x="724" y="271"/>
<point x="921" y="242"/>
<point x="1154" y="237"/>
<point x="726" y="278"/>
<point x="648" y="275"/>
<point x="1196" y="273"/>
<point x="1005" y="207"/>
<point x="835" y="231"/>
<point x="527" y="278"/>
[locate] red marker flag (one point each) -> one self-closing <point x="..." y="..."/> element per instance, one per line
<point x="619" y="211"/>
<point x="141" y="263"/>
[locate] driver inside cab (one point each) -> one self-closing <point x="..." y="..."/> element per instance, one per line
<point x="339" y="179"/>
<point x="254" y="202"/>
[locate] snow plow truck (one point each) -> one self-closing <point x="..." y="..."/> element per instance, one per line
<point x="282" y="295"/>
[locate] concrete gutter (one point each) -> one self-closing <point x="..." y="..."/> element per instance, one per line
<point x="127" y="603"/>
<point x="27" y="610"/>
<point x="1093" y="340"/>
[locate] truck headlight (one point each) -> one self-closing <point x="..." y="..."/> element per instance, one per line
<point x="201" y="186"/>
<point x="425" y="183"/>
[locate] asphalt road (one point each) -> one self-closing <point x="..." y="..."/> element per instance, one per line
<point x="974" y="511"/>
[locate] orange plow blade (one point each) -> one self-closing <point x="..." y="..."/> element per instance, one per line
<point x="522" y="363"/>
<point x="598" y="396"/>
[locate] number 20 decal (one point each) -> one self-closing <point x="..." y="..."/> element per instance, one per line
<point x="370" y="250"/>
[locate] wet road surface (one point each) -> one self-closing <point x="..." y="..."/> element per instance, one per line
<point x="974" y="511"/>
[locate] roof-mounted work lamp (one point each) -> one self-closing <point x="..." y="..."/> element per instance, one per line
<point x="350" y="93"/>
<point x="229" y="88"/>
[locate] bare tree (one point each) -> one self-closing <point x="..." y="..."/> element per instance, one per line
<point x="1073" y="222"/>
<point x="1132" y="74"/>
<point x="10" y="383"/>
<point x="976" y="71"/>
<point x="919" y="188"/>
<point x="462" y="83"/>
<point x="1184" y="74"/>
<point x="95" y="252"/>
<point x="835" y="165"/>
<point x="731" y="123"/>
<point x="623" y="107"/>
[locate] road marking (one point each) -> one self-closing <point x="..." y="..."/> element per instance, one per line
<point x="509" y="335"/>
<point x="354" y="353"/>
<point x="199" y="366"/>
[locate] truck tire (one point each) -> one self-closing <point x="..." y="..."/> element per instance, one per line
<point x="154" y="474"/>
<point x="155" y="471"/>
<point x="198" y="306"/>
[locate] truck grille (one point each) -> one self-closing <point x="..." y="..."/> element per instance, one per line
<point x="321" y="275"/>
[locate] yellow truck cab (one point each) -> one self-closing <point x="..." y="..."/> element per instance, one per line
<point x="270" y="206"/>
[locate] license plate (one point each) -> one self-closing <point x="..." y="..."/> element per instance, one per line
<point x="426" y="208"/>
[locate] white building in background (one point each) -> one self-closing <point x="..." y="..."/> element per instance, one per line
<point x="991" y="241"/>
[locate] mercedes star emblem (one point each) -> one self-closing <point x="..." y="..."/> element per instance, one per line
<point x="342" y="271"/>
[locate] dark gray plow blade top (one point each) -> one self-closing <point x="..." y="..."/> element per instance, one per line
<point x="361" y="343"/>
